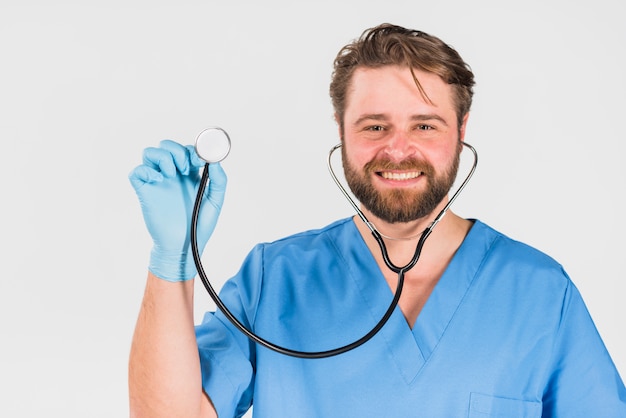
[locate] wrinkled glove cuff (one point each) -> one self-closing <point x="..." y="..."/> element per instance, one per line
<point x="172" y="267"/>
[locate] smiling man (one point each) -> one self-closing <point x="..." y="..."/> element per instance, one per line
<point x="401" y="150"/>
<point x="389" y="123"/>
<point x="485" y="326"/>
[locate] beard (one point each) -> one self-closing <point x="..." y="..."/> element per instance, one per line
<point x="399" y="205"/>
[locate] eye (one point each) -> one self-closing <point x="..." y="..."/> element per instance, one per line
<point x="375" y="128"/>
<point x="423" y="127"/>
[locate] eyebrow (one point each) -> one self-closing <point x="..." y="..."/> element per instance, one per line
<point x="418" y="118"/>
<point x="429" y="116"/>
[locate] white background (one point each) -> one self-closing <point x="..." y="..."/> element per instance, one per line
<point x="85" y="86"/>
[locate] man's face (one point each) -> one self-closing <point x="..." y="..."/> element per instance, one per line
<point x="400" y="151"/>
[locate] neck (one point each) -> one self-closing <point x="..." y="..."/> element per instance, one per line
<point x="404" y="231"/>
<point x="401" y="238"/>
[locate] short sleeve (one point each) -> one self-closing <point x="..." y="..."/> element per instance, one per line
<point x="226" y="355"/>
<point x="583" y="381"/>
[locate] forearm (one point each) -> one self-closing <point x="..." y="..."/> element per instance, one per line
<point x="164" y="368"/>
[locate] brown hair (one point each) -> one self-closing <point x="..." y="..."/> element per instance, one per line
<point x="388" y="44"/>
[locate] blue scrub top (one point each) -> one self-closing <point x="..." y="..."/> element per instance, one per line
<point x="504" y="333"/>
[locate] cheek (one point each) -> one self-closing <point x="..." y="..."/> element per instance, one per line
<point x="443" y="153"/>
<point x="357" y="156"/>
<point x="442" y="158"/>
<point x="364" y="153"/>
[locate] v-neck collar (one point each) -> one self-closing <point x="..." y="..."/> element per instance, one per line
<point x="411" y="348"/>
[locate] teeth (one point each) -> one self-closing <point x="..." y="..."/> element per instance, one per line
<point x="400" y="176"/>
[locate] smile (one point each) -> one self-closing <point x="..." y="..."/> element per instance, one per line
<point x="400" y="176"/>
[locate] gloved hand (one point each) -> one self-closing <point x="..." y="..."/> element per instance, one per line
<point x="166" y="184"/>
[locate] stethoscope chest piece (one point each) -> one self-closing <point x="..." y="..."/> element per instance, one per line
<point x="213" y="144"/>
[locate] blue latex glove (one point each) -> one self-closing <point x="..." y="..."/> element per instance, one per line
<point x="166" y="184"/>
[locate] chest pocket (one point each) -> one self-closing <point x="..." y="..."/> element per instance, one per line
<point x="485" y="406"/>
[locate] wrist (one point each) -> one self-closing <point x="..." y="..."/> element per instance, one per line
<point x="172" y="266"/>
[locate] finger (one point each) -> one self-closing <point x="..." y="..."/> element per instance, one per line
<point x="180" y="155"/>
<point x="142" y="175"/>
<point x="160" y="160"/>
<point x="194" y="158"/>
<point x="217" y="184"/>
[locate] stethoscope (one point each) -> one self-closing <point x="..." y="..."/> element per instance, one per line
<point x="212" y="146"/>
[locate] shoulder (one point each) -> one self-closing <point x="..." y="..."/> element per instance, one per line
<point x="507" y="257"/>
<point x="306" y="239"/>
<point x="505" y="246"/>
<point x="511" y="276"/>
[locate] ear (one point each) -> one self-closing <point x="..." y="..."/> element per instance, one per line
<point x="463" y="126"/>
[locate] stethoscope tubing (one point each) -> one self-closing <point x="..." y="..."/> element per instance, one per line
<point x="399" y="270"/>
<point x="251" y="335"/>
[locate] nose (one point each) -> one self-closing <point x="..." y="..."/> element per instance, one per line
<point x="399" y="147"/>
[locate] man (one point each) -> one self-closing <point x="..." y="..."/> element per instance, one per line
<point x="486" y="326"/>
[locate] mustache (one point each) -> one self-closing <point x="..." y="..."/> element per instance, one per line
<point x="410" y="164"/>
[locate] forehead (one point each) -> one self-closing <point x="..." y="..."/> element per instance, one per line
<point x="393" y="89"/>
